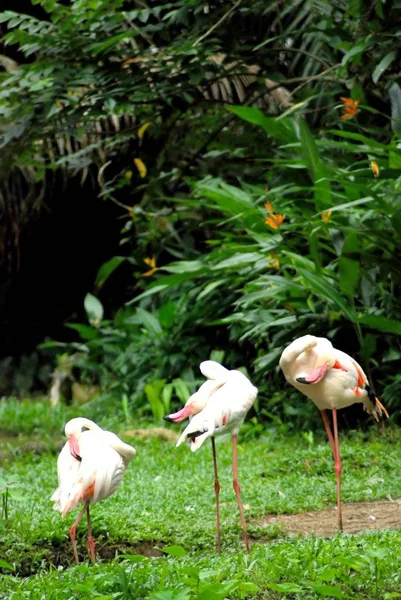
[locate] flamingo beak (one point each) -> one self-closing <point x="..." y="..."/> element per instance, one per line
<point x="180" y="415"/>
<point x="74" y="447"/>
<point x="315" y="376"/>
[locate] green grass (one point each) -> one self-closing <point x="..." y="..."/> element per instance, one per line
<point x="167" y="499"/>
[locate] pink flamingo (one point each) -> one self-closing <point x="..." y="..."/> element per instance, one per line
<point x="332" y="380"/>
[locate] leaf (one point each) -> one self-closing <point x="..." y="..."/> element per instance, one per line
<point x="149" y="321"/>
<point x="107" y="269"/>
<point x="349" y="268"/>
<point x="330" y="591"/>
<point x="285" y="588"/>
<point x="85" y="331"/>
<point x="381" y="323"/>
<point x="140" y="165"/>
<point x="94" y="308"/>
<point x="382" y="66"/>
<point x="315" y="165"/>
<point x="322" y="287"/>
<point x="177" y="551"/>
<point x="6" y="565"/>
<point x="395" y="100"/>
<point x="282" y="130"/>
<point x="135" y="558"/>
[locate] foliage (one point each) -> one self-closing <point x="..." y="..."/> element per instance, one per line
<point x="255" y="156"/>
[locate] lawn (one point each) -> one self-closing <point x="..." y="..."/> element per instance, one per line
<point x="156" y="536"/>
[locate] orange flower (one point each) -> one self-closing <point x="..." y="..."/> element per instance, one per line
<point x="152" y="264"/>
<point x="350" y="107"/>
<point x="274" y="220"/>
<point x="326" y="214"/>
<point x="375" y="168"/>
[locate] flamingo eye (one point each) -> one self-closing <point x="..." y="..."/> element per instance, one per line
<point x="83" y="428"/>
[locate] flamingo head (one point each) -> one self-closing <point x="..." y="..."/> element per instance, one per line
<point x="73" y="431"/>
<point x="316" y="362"/>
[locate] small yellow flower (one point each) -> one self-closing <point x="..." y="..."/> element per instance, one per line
<point x="142" y="129"/>
<point x="140" y="165"/>
<point x="375" y="168"/>
<point x="151" y="262"/>
<point x="326" y="214"/>
<point x="274" y="260"/>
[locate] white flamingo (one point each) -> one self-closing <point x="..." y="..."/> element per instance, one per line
<point x="332" y="380"/>
<point x="90" y="467"/>
<point x="218" y="407"/>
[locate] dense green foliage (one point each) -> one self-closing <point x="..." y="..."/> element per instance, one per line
<point x="254" y="152"/>
<point x="165" y="507"/>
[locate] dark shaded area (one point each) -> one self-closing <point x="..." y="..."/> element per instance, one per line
<point x="59" y="258"/>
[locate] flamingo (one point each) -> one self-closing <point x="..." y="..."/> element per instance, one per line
<point x="332" y="380"/>
<point x="218" y="407"/>
<point x="90" y="467"/>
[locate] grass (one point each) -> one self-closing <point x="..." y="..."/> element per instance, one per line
<point x="167" y="501"/>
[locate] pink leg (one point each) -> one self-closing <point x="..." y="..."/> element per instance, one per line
<point x="91" y="542"/>
<point x="329" y="434"/>
<point x="337" y="468"/>
<point x="217" y="492"/>
<point x="237" y="492"/>
<point x="73" y="531"/>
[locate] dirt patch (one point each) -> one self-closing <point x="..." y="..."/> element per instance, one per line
<point x="357" y="516"/>
<point x="60" y="554"/>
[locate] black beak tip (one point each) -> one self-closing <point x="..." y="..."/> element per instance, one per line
<point x="168" y="418"/>
<point x="301" y="380"/>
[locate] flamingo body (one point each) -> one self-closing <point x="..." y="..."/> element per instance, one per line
<point x="344" y="382"/>
<point x="224" y="411"/>
<point x="219" y="406"/>
<point x="90" y="468"/>
<point x="332" y="380"/>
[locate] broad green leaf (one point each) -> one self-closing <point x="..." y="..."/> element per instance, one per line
<point x="358" y="137"/>
<point x="94" y="309"/>
<point x="321" y="286"/>
<point x="329" y="591"/>
<point x="285" y="588"/>
<point x="315" y="165"/>
<point x="282" y="130"/>
<point x="6" y="565"/>
<point x="177" y="551"/>
<point x="149" y="321"/>
<point x="395" y="100"/>
<point x="381" y="323"/>
<point x="133" y="557"/>
<point x="107" y="269"/>
<point x="85" y="331"/>
<point x="382" y="66"/>
<point x="349" y="267"/>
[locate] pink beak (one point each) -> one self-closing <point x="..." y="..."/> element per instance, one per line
<point x="74" y="447"/>
<point x="315" y="376"/>
<point x="180" y="415"/>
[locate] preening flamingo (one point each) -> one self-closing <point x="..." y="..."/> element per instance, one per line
<point x="333" y="380"/>
<point x="218" y="407"/>
<point x="90" y="467"/>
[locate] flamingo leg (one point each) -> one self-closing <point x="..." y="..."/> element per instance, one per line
<point x="217" y="492"/>
<point x="329" y="434"/>
<point x="91" y="542"/>
<point x="73" y="533"/>
<point x="337" y="468"/>
<point x="237" y="492"/>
